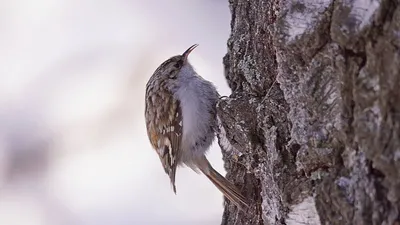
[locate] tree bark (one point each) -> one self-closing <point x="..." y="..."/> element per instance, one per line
<point x="311" y="131"/>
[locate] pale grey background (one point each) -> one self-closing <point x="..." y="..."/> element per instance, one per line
<point x="73" y="75"/>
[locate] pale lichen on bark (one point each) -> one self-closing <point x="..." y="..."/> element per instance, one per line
<point x="319" y="145"/>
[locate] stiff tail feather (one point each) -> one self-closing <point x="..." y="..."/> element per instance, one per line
<point x="226" y="187"/>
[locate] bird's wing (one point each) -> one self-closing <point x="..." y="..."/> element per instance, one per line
<point x="164" y="128"/>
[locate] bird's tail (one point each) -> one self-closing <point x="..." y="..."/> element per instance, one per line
<point x="226" y="187"/>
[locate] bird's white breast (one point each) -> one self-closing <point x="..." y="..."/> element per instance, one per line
<point x="197" y="99"/>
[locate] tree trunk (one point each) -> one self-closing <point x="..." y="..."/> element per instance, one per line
<point x="311" y="131"/>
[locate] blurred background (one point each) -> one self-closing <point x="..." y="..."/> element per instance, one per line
<point x="73" y="143"/>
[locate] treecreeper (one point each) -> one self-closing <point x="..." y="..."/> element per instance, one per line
<point x="181" y="121"/>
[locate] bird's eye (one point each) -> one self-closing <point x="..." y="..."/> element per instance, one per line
<point x="178" y="64"/>
<point x="173" y="74"/>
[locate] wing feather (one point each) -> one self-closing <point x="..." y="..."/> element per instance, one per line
<point x="164" y="128"/>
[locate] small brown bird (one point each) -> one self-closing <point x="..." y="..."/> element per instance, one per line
<point x="181" y="121"/>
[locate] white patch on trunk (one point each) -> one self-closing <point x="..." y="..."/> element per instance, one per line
<point x="225" y="144"/>
<point x="304" y="213"/>
<point x="363" y="10"/>
<point x="303" y="16"/>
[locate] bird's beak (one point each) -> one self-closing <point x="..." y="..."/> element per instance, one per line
<point x="188" y="51"/>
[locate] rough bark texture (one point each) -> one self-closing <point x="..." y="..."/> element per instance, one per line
<point x="311" y="132"/>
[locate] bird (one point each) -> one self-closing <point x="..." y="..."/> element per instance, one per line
<point x="181" y="122"/>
